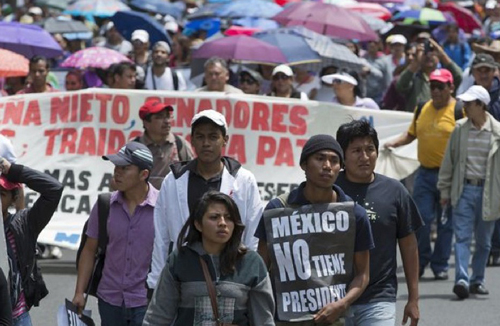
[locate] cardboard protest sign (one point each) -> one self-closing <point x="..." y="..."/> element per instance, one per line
<point x="311" y="250"/>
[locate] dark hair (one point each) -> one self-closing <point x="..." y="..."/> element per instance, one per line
<point x="347" y="132"/>
<point x="79" y="75"/>
<point x="205" y="120"/>
<point x="234" y="249"/>
<point x="120" y="67"/>
<point x="357" y="89"/>
<point x="37" y="58"/>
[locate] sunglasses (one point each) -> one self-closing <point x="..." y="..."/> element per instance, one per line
<point x="247" y="81"/>
<point x="281" y="77"/>
<point x="438" y="86"/>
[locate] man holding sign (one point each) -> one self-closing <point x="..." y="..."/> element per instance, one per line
<point x="316" y="242"/>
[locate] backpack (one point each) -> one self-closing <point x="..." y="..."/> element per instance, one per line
<point x="178" y="143"/>
<point x="175" y="78"/>
<point x="283" y="198"/>
<point x="459" y="114"/>
<point x="103" y="204"/>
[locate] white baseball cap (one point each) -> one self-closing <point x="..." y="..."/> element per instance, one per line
<point x="141" y="35"/>
<point x="213" y="116"/>
<point x="35" y="11"/>
<point x="476" y="92"/>
<point x="171" y="27"/>
<point x="398" y="39"/>
<point x="340" y="76"/>
<point x="284" y="69"/>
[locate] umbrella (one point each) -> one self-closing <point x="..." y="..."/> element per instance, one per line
<point x="100" y="8"/>
<point x="369" y="9"/>
<point x="28" y="40"/>
<point x="239" y="30"/>
<point x="13" y="64"/>
<point x="294" y="46"/>
<point x="375" y="23"/>
<point x="261" y="23"/>
<point x="465" y="19"/>
<point x="56" y="4"/>
<point x="63" y="25"/>
<point x="94" y="57"/>
<point x="326" y="19"/>
<point x="320" y="46"/>
<point x="209" y="25"/>
<point x="241" y="48"/>
<point x="158" y="6"/>
<point x="425" y="16"/>
<point x="409" y="31"/>
<point x="126" y="22"/>
<point x="248" y="8"/>
<point x="207" y="10"/>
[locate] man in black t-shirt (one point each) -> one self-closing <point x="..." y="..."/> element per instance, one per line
<point x="394" y="218"/>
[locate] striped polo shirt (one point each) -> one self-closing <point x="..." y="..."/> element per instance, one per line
<point x="478" y="147"/>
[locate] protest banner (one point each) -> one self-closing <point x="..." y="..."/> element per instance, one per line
<point x="312" y="256"/>
<point x="65" y="134"/>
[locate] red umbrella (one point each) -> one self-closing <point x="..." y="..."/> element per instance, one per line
<point x="465" y="19"/>
<point x="326" y="19"/>
<point x="240" y="30"/>
<point x="13" y="64"/>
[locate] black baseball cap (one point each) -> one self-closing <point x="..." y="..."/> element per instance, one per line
<point x="484" y="60"/>
<point x="134" y="153"/>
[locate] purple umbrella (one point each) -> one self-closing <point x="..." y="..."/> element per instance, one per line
<point x="241" y="48"/>
<point x="28" y="40"/>
<point x="326" y="19"/>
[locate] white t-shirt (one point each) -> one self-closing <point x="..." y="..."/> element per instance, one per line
<point x="164" y="82"/>
<point x="6" y="149"/>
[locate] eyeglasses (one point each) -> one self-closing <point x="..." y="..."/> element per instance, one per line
<point x="281" y="77"/>
<point x="248" y="81"/>
<point x="438" y="86"/>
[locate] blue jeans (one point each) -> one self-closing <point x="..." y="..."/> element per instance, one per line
<point x="23" y="320"/>
<point x="495" y="240"/>
<point x="426" y="197"/>
<point x="468" y="219"/>
<point x="120" y="316"/>
<point x="371" y="314"/>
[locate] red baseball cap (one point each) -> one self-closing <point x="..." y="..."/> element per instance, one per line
<point x="7" y="185"/>
<point x="153" y="106"/>
<point x="441" y="75"/>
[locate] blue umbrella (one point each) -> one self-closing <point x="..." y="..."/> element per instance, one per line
<point x="206" y="11"/>
<point x="158" y="6"/>
<point x="261" y="23"/>
<point x="249" y="8"/>
<point x="126" y="22"/>
<point x="210" y="25"/>
<point x="295" y="48"/>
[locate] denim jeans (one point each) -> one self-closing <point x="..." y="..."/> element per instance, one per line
<point x="120" y="316"/>
<point x="426" y="197"/>
<point x="371" y="314"/>
<point x="23" y="320"/>
<point x="495" y="240"/>
<point x="468" y="219"/>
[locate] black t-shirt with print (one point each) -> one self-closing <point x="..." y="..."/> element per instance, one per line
<point x="393" y="215"/>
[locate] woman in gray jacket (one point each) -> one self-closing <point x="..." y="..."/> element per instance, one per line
<point x="242" y="284"/>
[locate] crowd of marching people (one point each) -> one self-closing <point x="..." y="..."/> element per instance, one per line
<point x="185" y="239"/>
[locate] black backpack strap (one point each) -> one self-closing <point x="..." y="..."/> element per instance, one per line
<point x="459" y="112"/>
<point x="103" y="204"/>
<point x="175" y="79"/>
<point x="179" y="145"/>
<point x="420" y="106"/>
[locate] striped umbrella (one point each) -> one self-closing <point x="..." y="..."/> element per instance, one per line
<point x="13" y="64"/>
<point x="99" y="8"/>
<point x="425" y="16"/>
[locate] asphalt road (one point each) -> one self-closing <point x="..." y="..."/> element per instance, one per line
<point x="438" y="305"/>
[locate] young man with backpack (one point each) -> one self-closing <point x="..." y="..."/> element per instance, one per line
<point x="159" y="76"/>
<point x="27" y="287"/>
<point x="122" y="290"/>
<point x="432" y="125"/>
<point x="166" y="147"/>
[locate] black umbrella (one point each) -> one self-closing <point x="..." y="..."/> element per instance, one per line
<point x="63" y="25"/>
<point x="408" y="30"/>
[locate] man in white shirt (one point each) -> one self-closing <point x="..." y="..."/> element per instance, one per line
<point x="159" y="76"/>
